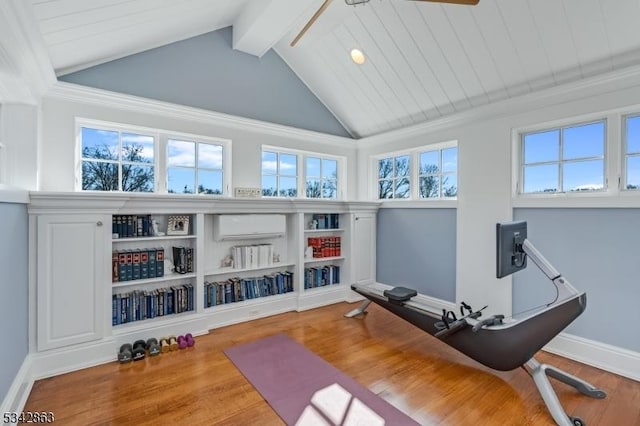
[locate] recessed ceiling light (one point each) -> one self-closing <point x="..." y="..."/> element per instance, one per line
<point x="357" y="56"/>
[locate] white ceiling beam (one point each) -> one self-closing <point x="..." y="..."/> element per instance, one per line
<point x="263" y="23"/>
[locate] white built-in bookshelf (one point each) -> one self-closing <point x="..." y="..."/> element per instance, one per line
<point x="76" y="256"/>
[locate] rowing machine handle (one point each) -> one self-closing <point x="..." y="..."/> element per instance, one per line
<point x="492" y="320"/>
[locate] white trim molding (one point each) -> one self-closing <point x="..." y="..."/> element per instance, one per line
<point x="87" y="95"/>
<point x="600" y="355"/>
<point x="627" y="77"/>
<point x="24" y="50"/>
<point x="20" y="388"/>
<point x="11" y="194"/>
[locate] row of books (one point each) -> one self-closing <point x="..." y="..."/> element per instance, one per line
<point x="139" y="305"/>
<point x="137" y="264"/>
<point x="131" y="226"/>
<point x="325" y="246"/>
<point x="252" y="256"/>
<point x="239" y="289"/>
<point x="183" y="260"/>
<point x="326" y="220"/>
<point x="321" y="276"/>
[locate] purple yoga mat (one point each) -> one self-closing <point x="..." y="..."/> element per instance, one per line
<point x="303" y="388"/>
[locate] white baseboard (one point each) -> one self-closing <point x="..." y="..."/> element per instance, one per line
<point x="60" y="361"/>
<point x="600" y="355"/>
<point x="20" y="389"/>
<point x="321" y="296"/>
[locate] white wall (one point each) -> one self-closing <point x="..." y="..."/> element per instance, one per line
<point x="19" y="135"/>
<point x="484" y="169"/>
<point x="59" y="149"/>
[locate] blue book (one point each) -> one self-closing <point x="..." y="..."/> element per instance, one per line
<point x="160" y="262"/>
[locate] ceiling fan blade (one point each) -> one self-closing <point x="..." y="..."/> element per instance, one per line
<point x="467" y="2"/>
<point x="311" y="21"/>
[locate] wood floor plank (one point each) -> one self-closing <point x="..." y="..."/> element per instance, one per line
<point x="420" y="375"/>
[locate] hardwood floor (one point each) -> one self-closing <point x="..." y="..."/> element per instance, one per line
<point x="415" y="372"/>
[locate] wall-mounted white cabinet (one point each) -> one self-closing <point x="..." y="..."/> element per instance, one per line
<point x="99" y="283"/>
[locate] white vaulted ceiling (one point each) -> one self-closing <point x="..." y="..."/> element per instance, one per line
<point x="82" y="33"/>
<point x="424" y="60"/>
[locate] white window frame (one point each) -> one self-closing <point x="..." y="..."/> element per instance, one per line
<point x="320" y="178"/>
<point x="414" y="180"/>
<point x="441" y="174"/>
<point x="623" y="153"/>
<point x="3" y="163"/>
<point x="561" y="162"/>
<point x="161" y="137"/>
<point x="197" y="139"/>
<point x="395" y="177"/>
<point x="301" y="164"/>
<point x="612" y="166"/>
<point x="113" y="127"/>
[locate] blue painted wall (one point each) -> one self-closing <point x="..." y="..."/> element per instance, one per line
<point x="597" y="251"/>
<point x="14" y="290"/>
<point x="416" y="248"/>
<point x="205" y="72"/>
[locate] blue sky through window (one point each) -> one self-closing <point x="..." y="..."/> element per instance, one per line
<point x="564" y="159"/>
<point x="583" y="141"/>
<point x="633" y="135"/>
<point x="103" y="140"/>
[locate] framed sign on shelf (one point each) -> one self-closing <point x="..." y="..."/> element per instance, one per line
<point x="178" y="225"/>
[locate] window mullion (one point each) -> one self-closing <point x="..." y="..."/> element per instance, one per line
<point x="195" y="167"/>
<point x="120" y="171"/>
<point x="561" y="161"/>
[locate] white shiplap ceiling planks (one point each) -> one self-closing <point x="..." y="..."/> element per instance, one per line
<point x="424" y="60"/>
<point x="428" y="60"/>
<point x="82" y="33"/>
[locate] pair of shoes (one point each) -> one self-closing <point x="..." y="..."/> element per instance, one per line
<point x="186" y="341"/>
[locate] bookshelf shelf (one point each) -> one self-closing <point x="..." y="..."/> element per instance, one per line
<point x="251" y="302"/>
<point x="159" y="238"/>
<point x="224" y="271"/>
<point x="328" y="287"/>
<point x="322" y="231"/>
<point x="169" y="277"/>
<point x="148" y="323"/>
<point x="323" y="259"/>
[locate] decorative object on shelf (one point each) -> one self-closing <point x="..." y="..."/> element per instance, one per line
<point x="247" y="192"/>
<point x="178" y="225"/>
<point x="313" y="224"/>
<point x="227" y="262"/>
<point x="276" y="258"/>
<point x="168" y="266"/>
<point x="155" y="229"/>
<point x="308" y="252"/>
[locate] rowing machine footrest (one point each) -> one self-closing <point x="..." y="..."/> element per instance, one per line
<point x="399" y="294"/>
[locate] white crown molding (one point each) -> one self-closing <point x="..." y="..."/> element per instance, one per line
<point x="87" y="95"/>
<point x="24" y="49"/>
<point x="626" y="77"/>
<point x="600" y="355"/>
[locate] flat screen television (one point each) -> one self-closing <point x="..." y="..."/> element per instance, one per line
<point x="510" y="257"/>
